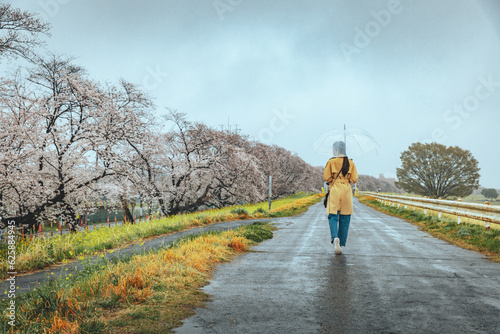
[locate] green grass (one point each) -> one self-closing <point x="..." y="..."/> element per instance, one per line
<point x="256" y="232"/>
<point x="154" y="290"/>
<point x="81" y="302"/>
<point x="41" y="253"/>
<point x="469" y="236"/>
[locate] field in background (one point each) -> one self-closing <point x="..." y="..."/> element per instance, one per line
<point x="480" y="199"/>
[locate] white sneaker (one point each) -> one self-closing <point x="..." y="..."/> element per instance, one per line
<point x="338" y="249"/>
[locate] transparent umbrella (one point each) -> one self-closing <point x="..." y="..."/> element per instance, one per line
<point x="358" y="142"/>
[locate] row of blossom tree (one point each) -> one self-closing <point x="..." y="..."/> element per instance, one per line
<point x="67" y="140"/>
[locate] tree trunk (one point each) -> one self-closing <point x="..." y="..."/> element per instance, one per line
<point x="27" y="221"/>
<point x="127" y="216"/>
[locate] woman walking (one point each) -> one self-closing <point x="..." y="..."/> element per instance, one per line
<point x="339" y="173"/>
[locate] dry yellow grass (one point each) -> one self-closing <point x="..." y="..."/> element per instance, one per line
<point x="167" y="281"/>
<point x="148" y="293"/>
<point x="41" y="253"/>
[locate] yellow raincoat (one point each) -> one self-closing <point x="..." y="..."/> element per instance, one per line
<point x="340" y="198"/>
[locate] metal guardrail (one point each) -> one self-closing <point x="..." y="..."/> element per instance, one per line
<point x="483" y="212"/>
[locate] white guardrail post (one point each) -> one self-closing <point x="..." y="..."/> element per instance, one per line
<point x="483" y="212"/>
<point x="486" y="223"/>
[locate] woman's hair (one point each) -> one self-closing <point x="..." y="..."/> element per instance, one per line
<point x="345" y="166"/>
<point x="339" y="148"/>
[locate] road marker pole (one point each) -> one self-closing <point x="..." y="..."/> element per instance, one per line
<point x="269" y="193"/>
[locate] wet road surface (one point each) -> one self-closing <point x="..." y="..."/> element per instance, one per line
<point x="391" y="278"/>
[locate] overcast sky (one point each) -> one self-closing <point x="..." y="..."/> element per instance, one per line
<point x="287" y="72"/>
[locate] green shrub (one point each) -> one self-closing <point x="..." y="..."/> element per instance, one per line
<point x="463" y="232"/>
<point x="92" y="326"/>
<point x="257" y="232"/>
<point x="450" y="226"/>
<point x="239" y="211"/>
<point x="299" y="195"/>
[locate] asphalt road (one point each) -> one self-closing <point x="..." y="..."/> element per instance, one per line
<point x="391" y="278"/>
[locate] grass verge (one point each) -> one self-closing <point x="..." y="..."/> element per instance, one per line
<point x="41" y="253"/>
<point x="465" y="235"/>
<point x="147" y="293"/>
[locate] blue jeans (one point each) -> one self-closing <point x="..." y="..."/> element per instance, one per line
<point x="339" y="227"/>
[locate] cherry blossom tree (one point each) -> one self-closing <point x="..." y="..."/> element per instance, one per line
<point x="236" y="176"/>
<point x="191" y="165"/>
<point x="20" y="32"/>
<point x="67" y="141"/>
<point x="61" y="134"/>
<point x="290" y="174"/>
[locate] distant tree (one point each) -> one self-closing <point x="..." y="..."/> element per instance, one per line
<point x="290" y="174"/>
<point x="436" y="170"/>
<point x="20" y="32"/>
<point x="370" y="183"/>
<point x="367" y="183"/>
<point x="489" y="193"/>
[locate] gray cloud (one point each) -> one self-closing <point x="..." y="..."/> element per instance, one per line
<point x="264" y="56"/>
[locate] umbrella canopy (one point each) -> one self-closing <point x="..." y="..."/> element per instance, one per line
<point x="358" y="142"/>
